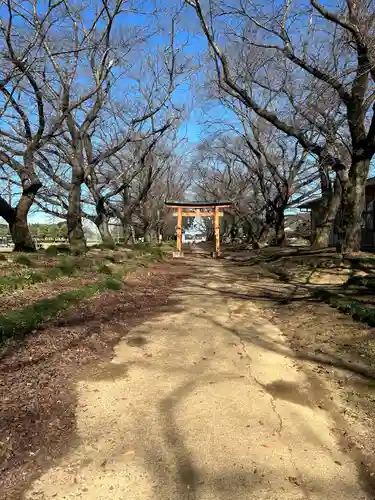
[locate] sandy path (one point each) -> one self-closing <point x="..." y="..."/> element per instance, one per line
<point x="196" y="406"/>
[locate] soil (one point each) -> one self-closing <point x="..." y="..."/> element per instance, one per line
<point x="201" y="380"/>
<point x="37" y="377"/>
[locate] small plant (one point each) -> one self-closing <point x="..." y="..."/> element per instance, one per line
<point x="111" y="258"/>
<point x="355" y="308"/>
<point x="112" y="284"/>
<point x="107" y="246"/>
<point x="51" y="251"/>
<point x="104" y="269"/>
<point x="63" y="249"/>
<point x="67" y="266"/>
<point x="23" y="260"/>
<point x="54" y="250"/>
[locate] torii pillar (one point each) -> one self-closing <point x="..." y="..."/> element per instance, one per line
<point x="198" y="209"/>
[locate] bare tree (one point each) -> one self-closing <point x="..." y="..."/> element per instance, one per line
<point x="350" y="78"/>
<point x="122" y="183"/>
<point x="23" y="115"/>
<point x="100" y="124"/>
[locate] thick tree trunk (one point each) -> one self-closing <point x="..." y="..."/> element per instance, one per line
<point x="353" y="202"/>
<point x="104" y="232"/>
<point x="279" y="239"/>
<point x="321" y="236"/>
<point x="128" y="231"/>
<point x="326" y="214"/>
<point x="264" y="234"/>
<point x="76" y="234"/>
<point x="19" y="230"/>
<point x="147" y="235"/>
<point x="17" y="218"/>
<point x="250" y="236"/>
<point x="102" y="223"/>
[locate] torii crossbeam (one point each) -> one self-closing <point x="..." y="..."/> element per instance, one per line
<point x="199" y="209"/>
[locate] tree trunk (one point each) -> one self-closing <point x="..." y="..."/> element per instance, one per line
<point x="17" y="218"/>
<point x="76" y="234"/>
<point x="147" y="235"/>
<point x="321" y="236"/>
<point x="128" y="230"/>
<point x="105" y="233"/>
<point x="102" y="223"/>
<point x="279" y="239"/>
<point x="353" y="201"/>
<point x="19" y="230"/>
<point x="326" y="215"/>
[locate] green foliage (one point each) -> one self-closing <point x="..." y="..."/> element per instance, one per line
<point x="366" y="281"/>
<point x="14" y="282"/>
<point x="18" y="323"/>
<point x="143" y="247"/>
<point x="355" y="308"/>
<point x="112" y="284"/>
<point x="63" y="249"/>
<point x="51" y="251"/>
<point x="107" y="246"/>
<point x="153" y="251"/>
<point x="104" y="269"/>
<point x="23" y="260"/>
<point x="49" y="231"/>
<point x="54" y="250"/>
<point x="67" y="266"/>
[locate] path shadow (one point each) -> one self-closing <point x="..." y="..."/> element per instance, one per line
<point x="37" y="390"/>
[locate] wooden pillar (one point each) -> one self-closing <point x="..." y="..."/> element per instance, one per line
<point x="179" y="229"/>
<point x="217" y="231"/>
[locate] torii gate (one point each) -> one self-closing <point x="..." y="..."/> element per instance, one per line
<point x="199" y="209"/>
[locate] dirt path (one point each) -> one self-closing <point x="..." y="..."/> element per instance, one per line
<point x="202" y="403"/>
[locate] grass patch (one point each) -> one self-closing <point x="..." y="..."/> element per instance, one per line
<point x="23" y="260"/>
<point x="17" y="324"/>
<point x="54" y="250"/>
<point x="355" y="308"/>
<point x="104" y="269"/>
<point x="66" y="267"/>
<point x="112" y="284"/>
<point x="364" y="281"/>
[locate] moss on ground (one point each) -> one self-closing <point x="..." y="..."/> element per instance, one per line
<point x="18" y="323"/>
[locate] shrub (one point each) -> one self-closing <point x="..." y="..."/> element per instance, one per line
<point x="107" y="246"/>
<point x="63" y="249"/>
<point x="51" y="251"/>
<point x="109" y="257"/>
<point x="23" y="260"/>
<point x="67" y="266"/>
<point x="54" y="250"/>
<point x="112" y="284"/>
<point x="104" y="269"/>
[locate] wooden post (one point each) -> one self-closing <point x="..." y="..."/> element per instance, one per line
<point x="179" y="230"/>
<point x="217" y="231"/>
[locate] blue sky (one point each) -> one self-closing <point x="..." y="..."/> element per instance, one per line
<point x="190" y="94"/>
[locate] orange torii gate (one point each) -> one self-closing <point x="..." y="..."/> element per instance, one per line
<point x="199" y="209"/>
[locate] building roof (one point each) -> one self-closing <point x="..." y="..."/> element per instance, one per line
<point x="198" y="204"/>
<point x="308" y="205"/>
